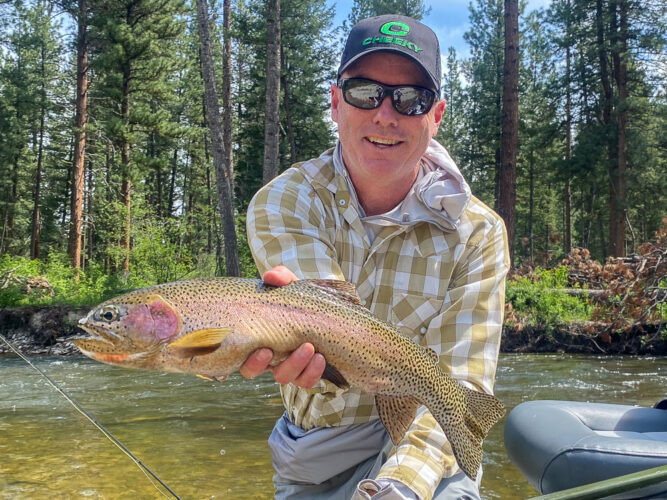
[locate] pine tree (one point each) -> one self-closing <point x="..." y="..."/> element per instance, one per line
<point x="484" y="73"/>
<point x="272" y="91"/>
<point x="306" y="36"/>
<point x="134" y="41"/>
<point x="215" y="127"/>
<point x="506" y="182"/>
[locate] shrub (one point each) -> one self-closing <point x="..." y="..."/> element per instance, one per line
<point x="541" y="300"/>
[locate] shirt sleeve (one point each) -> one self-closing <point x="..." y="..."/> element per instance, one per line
<point x="287" y="225"/>
<point x="471" y="326"/>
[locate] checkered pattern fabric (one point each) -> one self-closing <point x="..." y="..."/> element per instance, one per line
<point x="444" y="290"/>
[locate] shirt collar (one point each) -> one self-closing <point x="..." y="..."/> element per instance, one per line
<point x="439" y="194"/>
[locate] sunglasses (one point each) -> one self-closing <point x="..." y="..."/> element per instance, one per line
<point x="410" y="100"/>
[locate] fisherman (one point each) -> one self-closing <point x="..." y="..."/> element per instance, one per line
<point x="388" y="210"/>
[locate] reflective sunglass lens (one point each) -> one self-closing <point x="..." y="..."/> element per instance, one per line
<point x="412" y="101"/>
<point x="367" y="94"/>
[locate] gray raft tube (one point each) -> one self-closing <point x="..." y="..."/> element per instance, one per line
<point x="563" y="444"/>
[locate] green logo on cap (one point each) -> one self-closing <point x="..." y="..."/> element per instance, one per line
<point x="391" y="29"/>
<point x="395" y="30"/>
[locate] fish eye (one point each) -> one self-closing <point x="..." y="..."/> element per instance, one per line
<point x="109" y="313"/>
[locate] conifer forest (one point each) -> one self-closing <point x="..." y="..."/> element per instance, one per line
<point x="133" y="133"/>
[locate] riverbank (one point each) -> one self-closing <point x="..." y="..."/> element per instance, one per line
<point x="41" y="330"/>
<point x="49" y="330"/>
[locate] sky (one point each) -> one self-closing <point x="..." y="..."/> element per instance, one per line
<point x="448" y="19"/>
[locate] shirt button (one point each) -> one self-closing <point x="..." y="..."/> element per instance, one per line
<point x="341" y="203"/>
<point x="423" y="330"/>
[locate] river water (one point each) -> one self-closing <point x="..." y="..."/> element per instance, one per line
<point x="208" y="440"/>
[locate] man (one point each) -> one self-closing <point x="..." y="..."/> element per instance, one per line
<point x="388" y="210"/>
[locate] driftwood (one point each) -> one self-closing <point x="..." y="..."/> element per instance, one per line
<point x="26" y="284"/>
<point x="632" y="287"/>
<point x="583" y="292"/>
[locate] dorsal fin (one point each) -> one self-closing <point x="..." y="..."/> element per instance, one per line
<point x="339" y="288"/>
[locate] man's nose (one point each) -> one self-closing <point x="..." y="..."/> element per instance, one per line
<point x="386" y="114"/>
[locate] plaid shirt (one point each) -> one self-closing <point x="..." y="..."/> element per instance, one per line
<point x="444" y="290"/>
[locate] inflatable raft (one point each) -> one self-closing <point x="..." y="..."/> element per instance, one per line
<point x="563" y="444"/>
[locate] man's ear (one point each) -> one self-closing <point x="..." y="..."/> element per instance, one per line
<point x="335" y="99"/>
<point x="438" y="113"/>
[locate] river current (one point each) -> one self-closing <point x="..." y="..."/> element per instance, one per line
<point x="208" y="440"/>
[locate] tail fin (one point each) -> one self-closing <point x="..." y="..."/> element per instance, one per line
<point x="480" y="411"/>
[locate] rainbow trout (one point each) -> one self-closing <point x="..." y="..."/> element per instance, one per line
<point x="209" y="327"/>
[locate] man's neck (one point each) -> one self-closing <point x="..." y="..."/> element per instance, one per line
<point x="378" y="199"/>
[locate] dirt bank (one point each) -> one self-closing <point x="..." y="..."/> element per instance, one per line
<point x="649" y="340"/>
<point x="41" y="330"/>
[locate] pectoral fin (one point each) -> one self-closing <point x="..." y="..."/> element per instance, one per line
<point x="396" y="414"/>
<point x="333" y="375"/>
<point x="199" y="342"/>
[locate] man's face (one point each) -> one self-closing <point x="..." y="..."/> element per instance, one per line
<point x="381" y="147"/>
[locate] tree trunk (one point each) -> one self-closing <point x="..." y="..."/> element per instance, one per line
<point x="288" y="111"/>
<point x="36" y="222"/>
<point x="272" y="114"/>
<point x="210" y="223"/>
<point x="510" y="123"/>
<point x="617" y="173"/>
<point x="12" y="189"/>
<point x="224" y="181"/>
<point x="531" y="207"/>
<point x="126" y="185"/>
<point x="172" y="185"/>
<point x="109" y="265"/>
<point x="567" y="196"/>
<point x="89" y="211"/>
<point x="607" y="103"/>
<point x="227" y="93"/>
<point x="81" y="117"/>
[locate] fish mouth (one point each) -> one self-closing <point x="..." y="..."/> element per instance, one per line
<point x="100" y="334"/>
<point x="106" y="346"/>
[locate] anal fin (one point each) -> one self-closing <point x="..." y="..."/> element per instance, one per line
<point x="396" y="414"/>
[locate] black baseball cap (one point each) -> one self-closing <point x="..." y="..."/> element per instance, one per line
<point x="393" y="33"/>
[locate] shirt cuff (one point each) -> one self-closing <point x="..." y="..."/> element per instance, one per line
<point x="418" y="471"/>
<point x="383" y="489"/>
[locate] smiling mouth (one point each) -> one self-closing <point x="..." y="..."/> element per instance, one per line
<point x="378" y="141"/>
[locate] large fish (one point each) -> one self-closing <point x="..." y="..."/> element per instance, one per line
<point x="209" y="327"/>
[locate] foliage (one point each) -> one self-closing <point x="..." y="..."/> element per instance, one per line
<point x="634" y="286"/>
<point x="538" y="300"/>
<point x="618" y="296"/>
<point x="52" y="282"/>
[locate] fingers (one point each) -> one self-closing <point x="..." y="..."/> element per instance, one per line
<point x="303" y="367"/>
<point x="279" y="276"/>
<point x="312" y="373"/>
<point x="257" y="363"/>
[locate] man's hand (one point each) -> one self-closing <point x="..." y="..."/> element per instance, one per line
<point x="304" y="367"/>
